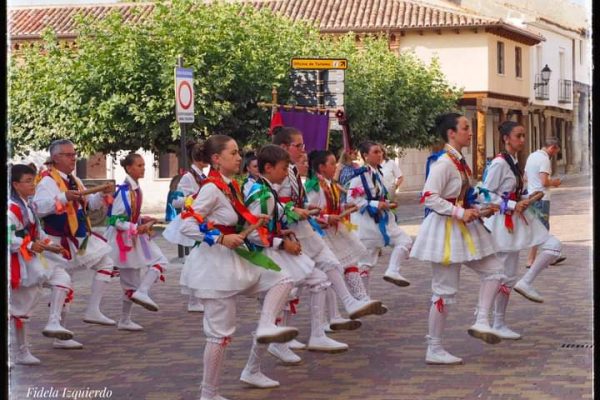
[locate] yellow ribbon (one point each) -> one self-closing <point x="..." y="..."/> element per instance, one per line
<point x="71" y="213"/>
<point x="188" y="201"/>
<point x="349" y="225"/>
<point x="448" y="233"/>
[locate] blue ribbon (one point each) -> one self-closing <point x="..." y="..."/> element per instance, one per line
<point x="171" y="212"/>
<point x="504" y="204"/>
<point x="315" y="225"/>
<point x="431" y="159"/>
<point x="485" y="193"/>
<point x="210" y="235"/>
<point x="381" y="221"/>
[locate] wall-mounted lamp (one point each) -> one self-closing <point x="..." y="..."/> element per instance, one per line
<point x="546" y="71"/>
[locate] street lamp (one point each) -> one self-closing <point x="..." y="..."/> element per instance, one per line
<point x="546" y="71"/>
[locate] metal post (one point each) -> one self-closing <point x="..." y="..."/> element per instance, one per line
<point x="182" y="160"/>
<point x="320" y="89"/>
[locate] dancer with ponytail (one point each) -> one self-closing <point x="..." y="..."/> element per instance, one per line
<point x="221" y="267"/>
<point x="376" y="223"/>
<point x="451" y="235"/>
<point x="516" y="227"/>
<point x="188" y="185"/>
<point x="141" y="263"/>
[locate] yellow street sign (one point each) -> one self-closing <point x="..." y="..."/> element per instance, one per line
<point x="319" y="63"/>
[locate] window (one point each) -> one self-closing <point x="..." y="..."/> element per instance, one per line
<point x="518" y="63"/>
<point x="561" y="61"/>
<point x="539" y="60"/>
<point x="581" y="52"/>
<point x="500" y="55"/>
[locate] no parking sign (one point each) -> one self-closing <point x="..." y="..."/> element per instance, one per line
<point x="184" y="94"/>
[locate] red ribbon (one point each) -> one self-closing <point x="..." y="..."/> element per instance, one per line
<point x="364" y="273"/>
<point x="226" y="340"/>
<point x="350" y="270"/>
<point x="216" y="178"/>
<point x="160" y="269"/>
<point x="508" y="221"/>
<point x="70" y="293"/>
<point x="424" y="196"/>
<point x="15" y="270"/>
<point x="504" y="290"/>
<point x="439" y="304"/>
<point x="293" y="304"/>
<point x="129" y="293"/>
<point x="18" y="322"/>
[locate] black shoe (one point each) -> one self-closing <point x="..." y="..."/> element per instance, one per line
<point x="559" y="260"/>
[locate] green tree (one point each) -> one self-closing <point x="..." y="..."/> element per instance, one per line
<point x="114" y="89"/>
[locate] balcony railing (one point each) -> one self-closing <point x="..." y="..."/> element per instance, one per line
<point x="565" y="91"/>
<point x="542" y="91"/>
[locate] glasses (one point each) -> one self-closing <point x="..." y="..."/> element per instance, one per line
<point x="69" y="155"/>
<point x="299" y="146"/>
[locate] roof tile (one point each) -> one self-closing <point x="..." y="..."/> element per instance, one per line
<point x="328" y="15"/>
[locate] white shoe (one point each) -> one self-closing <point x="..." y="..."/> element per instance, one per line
<point x="363" y="307"/>
<point x="67" y="344"/>
<point x="144" y="300"/>
<point x="275" y="334"/>
<point x="129" y="326"/>
<point x="327" y="328"/>
<point x="195" y="307"/>
<point x="439" y="356"/>
<point x="296" y="345"/>
<point x="343" y="324"/>
<point x="485" y="333"/>
<point x="258" y="379"/>
<point x="326" y="344"/>
<point x="506" y="333"/>
<point x="528" y="292"/>
<point x="284" y="354"/>
<point x="24" y="357"/>
<point x="55" y="330"/>
<point x="395" y="278"/>
<point x="98" y="318"/>
<point x="217" y="397"/>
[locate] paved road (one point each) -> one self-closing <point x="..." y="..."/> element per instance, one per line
<point x="386" y="356"/>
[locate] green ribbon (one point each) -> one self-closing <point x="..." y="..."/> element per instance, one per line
<point x="312" y="185"/>
<point x="257" y="258"/>
<point x="113" y="219"/>
<point x="262" y="194"/>
<point x="289" y="213"/>
<point x="11" y="228"/>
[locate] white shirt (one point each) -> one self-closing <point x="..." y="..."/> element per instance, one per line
<point x="391" y="173"/>
<point x="537" y="163"/>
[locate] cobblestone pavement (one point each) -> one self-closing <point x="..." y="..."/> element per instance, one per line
<point x="386" y="356"/>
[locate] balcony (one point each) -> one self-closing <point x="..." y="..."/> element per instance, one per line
<point x="542" y="91"/>
<point x="565" y="91"/>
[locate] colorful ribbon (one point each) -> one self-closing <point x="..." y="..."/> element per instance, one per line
<point x="447" y="239"/>
<point x="257" y="258"/>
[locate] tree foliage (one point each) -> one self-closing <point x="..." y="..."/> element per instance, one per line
<point x="114" y="89"/>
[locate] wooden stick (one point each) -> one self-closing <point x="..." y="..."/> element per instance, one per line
<point x="244" y="234"/>
<point x="99" y="188"/>
<point x="314" y="211"/>
<point x="348" y="210"/>
<point x="52" y="248"/>
<point x="535" y="196"/>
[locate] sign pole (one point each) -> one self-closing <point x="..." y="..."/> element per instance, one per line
<point x="182" y="164"/>
<point x="183" y="134"/>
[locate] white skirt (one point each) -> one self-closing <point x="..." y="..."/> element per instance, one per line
<point x="524" y="235"/>
<point x="94" y="252"/>
<point x="216" y="272"/>
<point x="431" y="239"/>
<point x="370" y="235"/>
<point x="295" y="267"/>
<point x="135" y="258"/>
<point x="172" y="233"/>
<point x="40" y="268"/>
<point x="345" y="245"/>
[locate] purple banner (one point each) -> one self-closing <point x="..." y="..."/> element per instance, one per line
<point x="314" y="127"/>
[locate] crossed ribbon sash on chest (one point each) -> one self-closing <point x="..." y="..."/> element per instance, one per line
<point x="381" y="217"/>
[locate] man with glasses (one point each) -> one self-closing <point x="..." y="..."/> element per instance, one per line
<point x="538" y="169"/>
<point x="62" y="207"/>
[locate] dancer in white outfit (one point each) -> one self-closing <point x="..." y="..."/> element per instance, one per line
<point x="188" y="185"/>
<point x="309" y="233"/>
<point x="61" y="205"/>
<point x="376" y="222"/>
<point x="220" y="267"/>
<point x="451" y="235"/>
<point x="141" y="263"/>
<point x="34" y="261"/>
<point x="516" y="227"/>
<point x="325" y="194"/>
